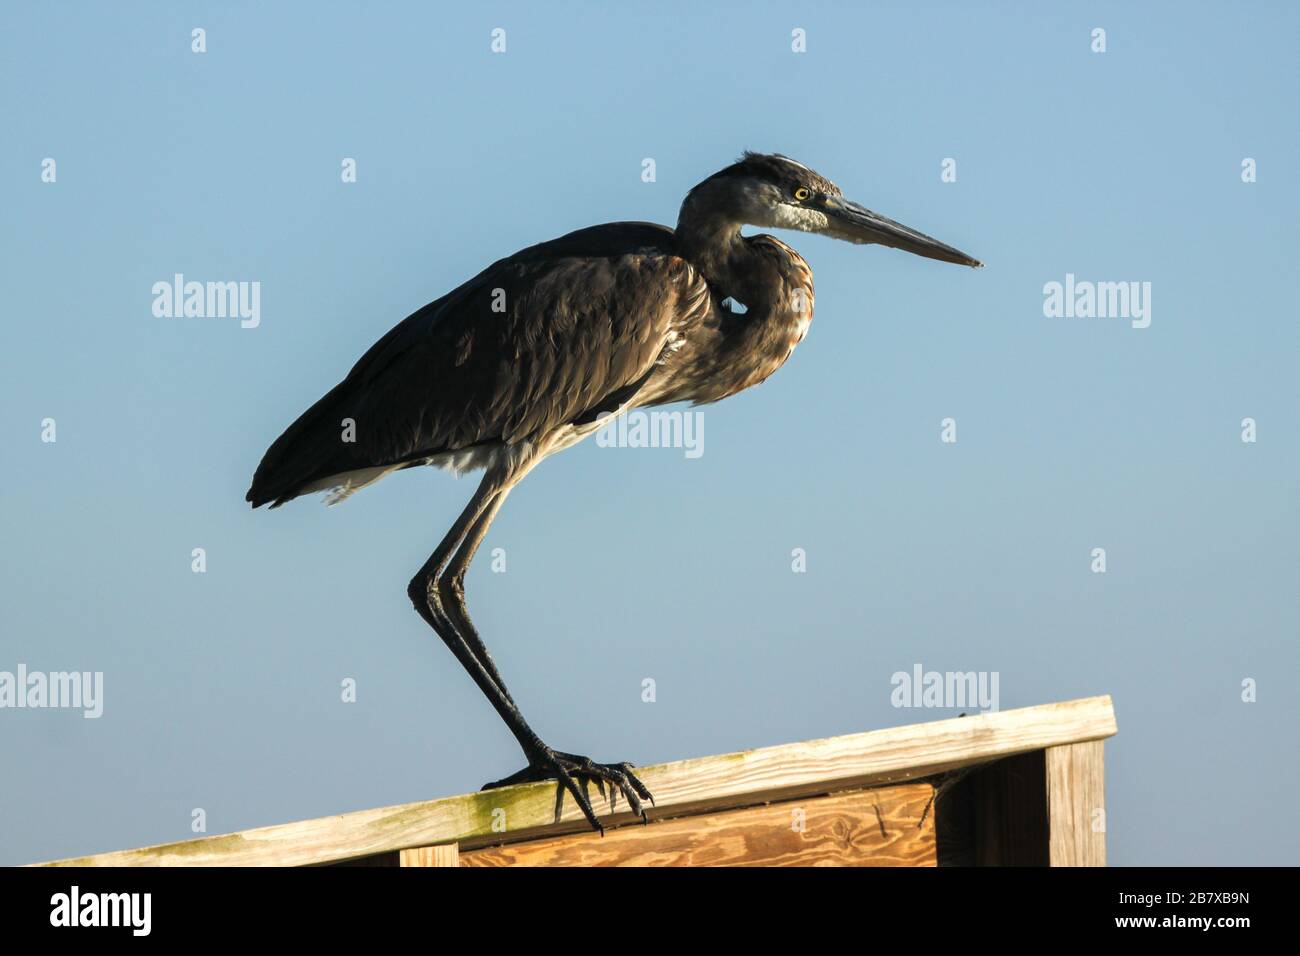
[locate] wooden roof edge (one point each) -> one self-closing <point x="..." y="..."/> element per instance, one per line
<point x="527" y="811"/>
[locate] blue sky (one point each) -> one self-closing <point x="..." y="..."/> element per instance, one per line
<point x="222" y="688"/>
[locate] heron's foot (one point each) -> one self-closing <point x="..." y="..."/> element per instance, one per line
<point x="575" y="774"/>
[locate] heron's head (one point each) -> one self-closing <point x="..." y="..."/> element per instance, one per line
<point x="775" y="192"/>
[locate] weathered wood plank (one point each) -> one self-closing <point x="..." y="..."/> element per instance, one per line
<point x="447" y="854"/>
<point x="860" y="828"/>
<point x="1076" y="803"/>
<point x="526" y="811"/>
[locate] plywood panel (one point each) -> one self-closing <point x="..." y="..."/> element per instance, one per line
<point x="862" y="828"/>
<point x="445" y="855"/>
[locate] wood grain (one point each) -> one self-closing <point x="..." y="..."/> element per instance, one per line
<point x="860" y="828"/>
<point x="1076" y="801"/>
<point x="527" y="811"/>
<point x="447" y="854"/>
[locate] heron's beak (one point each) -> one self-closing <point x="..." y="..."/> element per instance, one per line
<point x="854" y="223"/>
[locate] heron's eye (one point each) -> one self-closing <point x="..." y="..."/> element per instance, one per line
<point x="803" y="194"/>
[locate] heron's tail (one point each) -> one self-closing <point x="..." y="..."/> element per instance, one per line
<point x="310" y="450"/>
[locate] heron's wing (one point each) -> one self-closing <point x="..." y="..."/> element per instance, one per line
<point x="551" y="335"/>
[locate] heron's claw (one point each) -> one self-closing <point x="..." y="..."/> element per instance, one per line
<point x="575" y="774"/>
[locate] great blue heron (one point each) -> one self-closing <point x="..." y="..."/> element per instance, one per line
<point x="535" y="352"/>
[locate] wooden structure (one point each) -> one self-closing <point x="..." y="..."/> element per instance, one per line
<point x="1019" y="787"/>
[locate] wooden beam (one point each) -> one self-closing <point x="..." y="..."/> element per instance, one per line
<point x="448" y="854"/>
<point x="859" y="828"/>
<point x="751" y="777"/>
<point x="1076" y="802"/>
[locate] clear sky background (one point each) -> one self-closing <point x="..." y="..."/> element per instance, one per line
<point x="222" y="690"/>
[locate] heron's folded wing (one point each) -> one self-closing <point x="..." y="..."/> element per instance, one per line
<point x="531" y="343"/>
<point x="533" y="347"/>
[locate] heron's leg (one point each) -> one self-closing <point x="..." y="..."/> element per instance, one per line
<point x="451" y="588"/>
<point x="437" y="591"/>
<point x="423" y="592"/>
<point x="543" y="762"/>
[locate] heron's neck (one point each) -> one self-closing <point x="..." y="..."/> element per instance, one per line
<point x="716" y="248"/>
<point x="769" y="279"/>
<point x="708" y="242"/>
